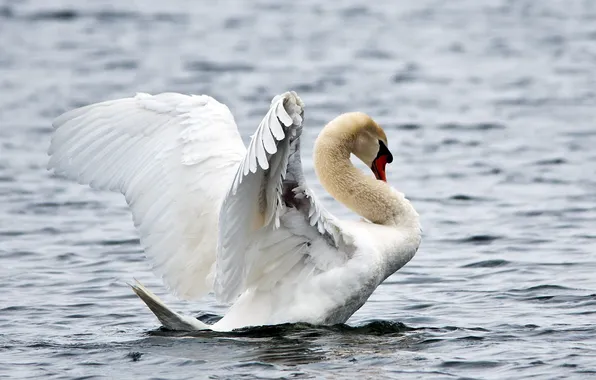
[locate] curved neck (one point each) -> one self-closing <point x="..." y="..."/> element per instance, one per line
<point x="373" y="199"/>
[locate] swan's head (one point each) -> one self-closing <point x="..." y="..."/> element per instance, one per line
<point x="358" y="134"/>
<point x="354" y="133"/>
<point x="370" y="144"/>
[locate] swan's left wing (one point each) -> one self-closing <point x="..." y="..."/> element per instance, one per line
<point x="173" y="157"/>
<point x="271" y="225"/>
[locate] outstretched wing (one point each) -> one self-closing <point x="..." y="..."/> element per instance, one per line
<point x="173" y="157"/>
<point x="271" y="225"/>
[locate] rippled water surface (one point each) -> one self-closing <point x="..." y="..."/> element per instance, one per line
<point x="490" y="109"/>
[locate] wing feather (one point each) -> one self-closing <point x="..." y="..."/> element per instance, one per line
<point x="177" y="159"/>
<point x="261" y="238"/>
<point x="173" y="157"/>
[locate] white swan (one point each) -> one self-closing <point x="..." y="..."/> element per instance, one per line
<point x="241" y="222"/>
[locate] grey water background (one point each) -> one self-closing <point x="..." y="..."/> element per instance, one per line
<point x="490" y="109"/>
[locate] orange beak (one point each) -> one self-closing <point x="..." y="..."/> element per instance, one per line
<point x="384" y="157"/>
<point x="378" y="167"/>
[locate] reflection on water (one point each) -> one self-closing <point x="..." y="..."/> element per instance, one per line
<point x="290" y="344"/>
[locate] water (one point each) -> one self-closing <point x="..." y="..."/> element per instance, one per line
<point x="490" y="110"/>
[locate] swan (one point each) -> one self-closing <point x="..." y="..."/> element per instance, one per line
<point x="241" y="222"/>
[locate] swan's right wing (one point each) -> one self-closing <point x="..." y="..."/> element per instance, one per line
<point x="271" y="226"/>
<point x="173" y="157"/>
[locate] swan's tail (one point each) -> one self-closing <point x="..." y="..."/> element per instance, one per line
<point x="168" y="318"/>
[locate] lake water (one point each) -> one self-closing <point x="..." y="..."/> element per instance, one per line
<point x="490" y="109"/>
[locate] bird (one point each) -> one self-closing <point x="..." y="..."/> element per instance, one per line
<point x="216" y="216"/>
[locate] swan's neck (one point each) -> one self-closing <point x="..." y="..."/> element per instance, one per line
<point x="373" y="199"/>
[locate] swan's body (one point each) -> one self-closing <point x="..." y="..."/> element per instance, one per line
<point x="242" y="222"/>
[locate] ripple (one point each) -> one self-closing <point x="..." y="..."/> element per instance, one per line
<point x="465" y="197"/>
<point x="409" y="73"/>
<point x="408" y="126"/>
<point x="59" y="15"/>
<point x="453" y="141"/>
<point x="542" y="287"/>
<point x="487" y="264"/>
<point x="321" y="85"/>
<point x="7" y="178"/>
<point x="107" y="16"/>
<point x="71" y="14"/>
<point x="129" y="64"/>
<point x="20" y="254"/>
<point x="135" y="242"/>
<point x="480" y="364"/>
<point x="6" y="12"/>
<point x="376" y="54"/>
<point x="472" y="338"/>
<point x="219" y="67"/>
<point x="551" y="161"/>
<point x="480" y="239"/>
<point x="471" y="127"/>
<point x="44" y="207"/>
<point x="13" y="309"/>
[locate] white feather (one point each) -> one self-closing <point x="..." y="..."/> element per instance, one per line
<point x="252" y="212"/>
<point x="173" y="157"/>
<point x="199" y="198"/>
